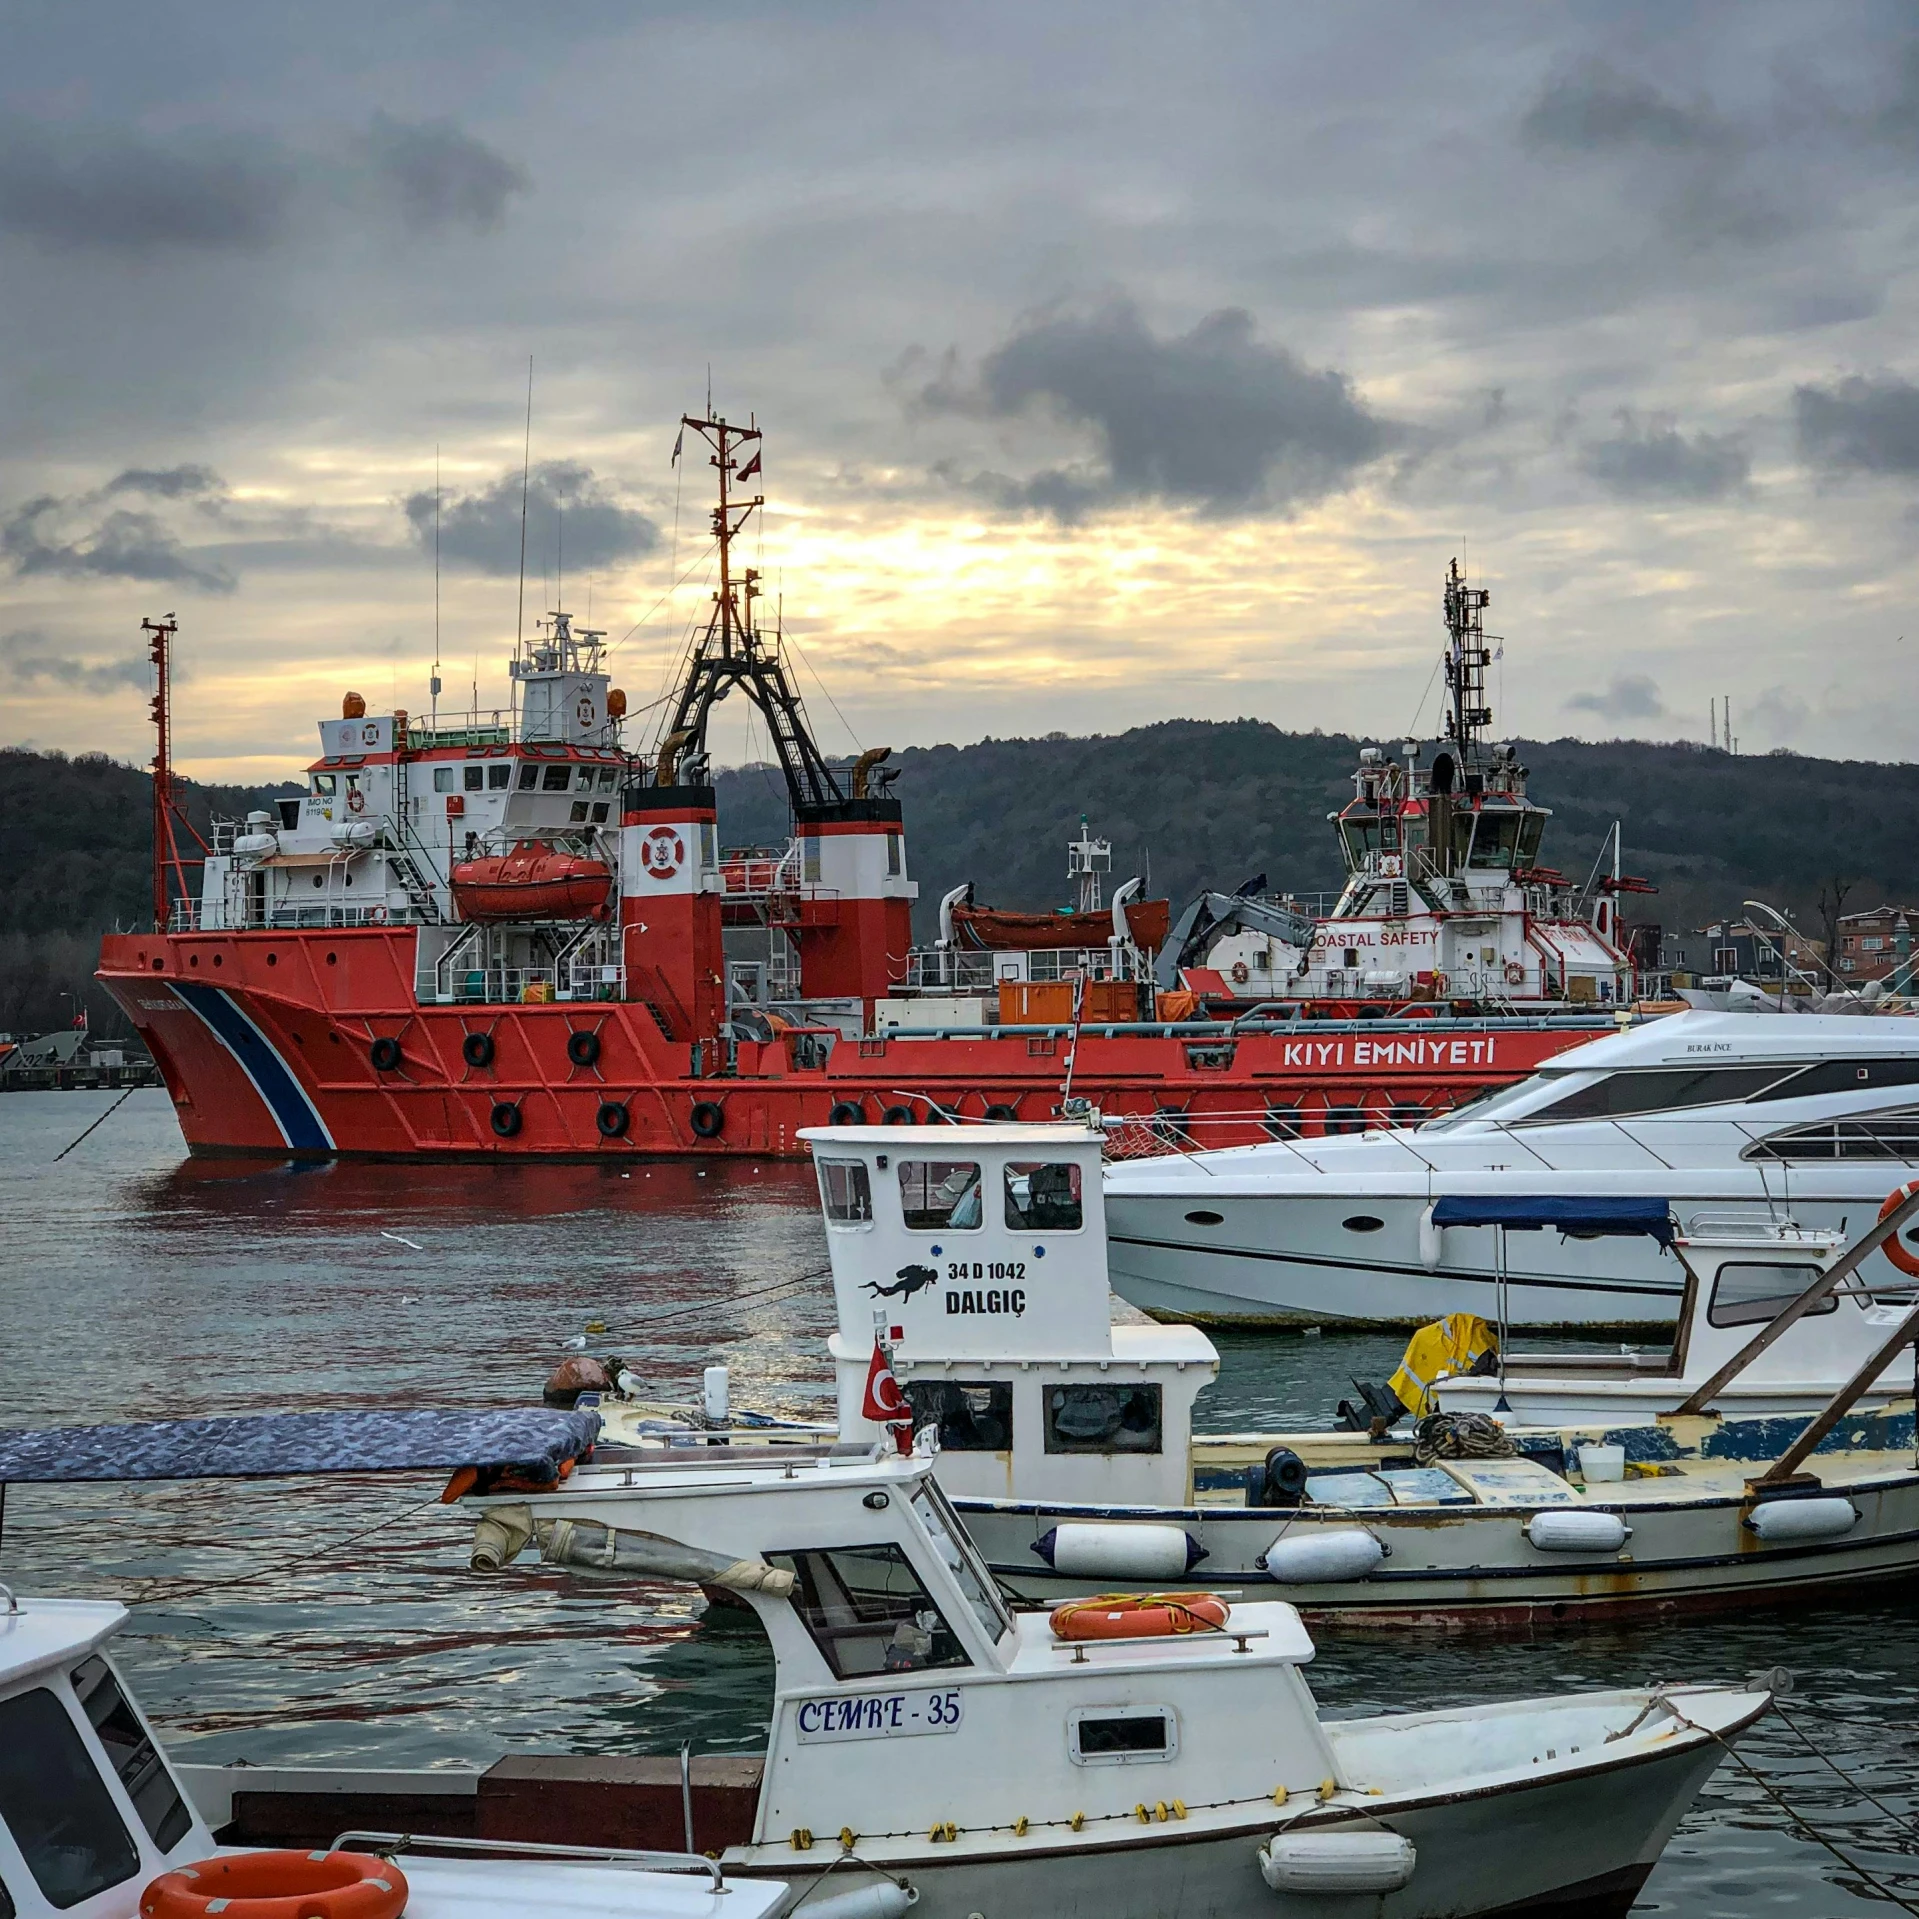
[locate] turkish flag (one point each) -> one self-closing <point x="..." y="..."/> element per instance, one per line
<point x="751" y="468"/>
<point x="884" y="1402"/>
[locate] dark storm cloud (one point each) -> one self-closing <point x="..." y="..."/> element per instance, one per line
<point x="1859" y="425"/>
<point x="37" y="657"/>
<point x="1653" y="460"/>
<point x="564" y="502"/>
<point x="1631" y="696"/>
<point x="71" y="539"/>
<point x="1211" y="418"/>
<point x="442" y="177"/>
<point x="168" y="483"/>
<point x="120" y="192"/>
<point x="1597" y="109"/>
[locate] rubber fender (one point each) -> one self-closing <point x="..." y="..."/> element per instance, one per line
<point x="1577" y="1532"/>
<point x="385" y="1054"/>
<point x="477" y="1049"/>
<point x="1337" y="1862"/>
<point x="1431" y="1239"/>
<point x="709" y="1118"/>
<point x="1315" y="1558"/>
<point x="612" y="1119"/>
<point x="845" y="1112"/>
<point x="886" y="1900"/>
<point x="582" y="1046"/>
<point x="1777" y="1520"/>
<point x="999" y="1110"/>
<point x="504" y="1119"/>
<point x="897" y="1116"/>
<point x="1091" y="1549"/>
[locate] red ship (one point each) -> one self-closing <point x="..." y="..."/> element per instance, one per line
<point x="521" y="939"/>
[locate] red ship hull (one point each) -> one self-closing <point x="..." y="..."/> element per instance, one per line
<point x="313" y="1045"/>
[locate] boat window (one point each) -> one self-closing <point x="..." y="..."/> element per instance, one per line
<point x="443" y="778"/>
<point x="1663" y="1090"/>
<point x="142" y="1771"/>
<point x="555" y="779"/>
<point x="1750" y="1295"/>
<point x="599" y="811"/>
<point x="940" y="1194"/>
<point x="1099" y="1736"/>
<point x="499" y="777"/>
<point x="846" y="1192"/>
<point x="1845" y="1076"/>
<point x="962" y="1560"/>
<point x="583" y="781"/>
<point x="1495" y="840"/>
<point x="1532" y="827"/>
<point x="475" y="777"/>
<point x="323" y="785"/>
<point x="1102" y="1419"/>
<point x="1359" y="835"/>
<point x="1491" y="1103"/>
<point x="1042" y="1196"/>
<point x="868" y="1613"/>
<point x="56" y="1806"/>
<point x="894" y="865"/>
<point x="529" y="777"/>
<point x="1872" y="1136"/>
<point x="972" y="1417"/>
<point x="609" y="778"/>
<point x="576" y="814"/>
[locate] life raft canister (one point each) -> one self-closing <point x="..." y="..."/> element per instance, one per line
<point x="1139" y="1615"/>
<point x="1901" y="1255"/>
<point x="280" y="1885"/>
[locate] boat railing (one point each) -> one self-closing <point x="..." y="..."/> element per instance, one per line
<point x="967" y="970"/>
<point x="451" y="982"/>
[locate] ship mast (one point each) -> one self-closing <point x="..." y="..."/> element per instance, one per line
<point x="731" y="651"/>
<point x="169" y="868"/>
<point x="1467" y="657"/>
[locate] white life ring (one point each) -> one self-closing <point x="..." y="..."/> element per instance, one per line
<point x="378" y="916"/>
<point x="355" y="800"/>
<point x="1241" y="972"/>
<point x="1515" y="973"/>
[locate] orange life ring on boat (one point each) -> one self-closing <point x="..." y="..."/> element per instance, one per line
<point x="1139" y="1615"/>
<point x="1901" y="1256"/>
<point x="1515" y="973"/>
<point x="277" y="1885"/>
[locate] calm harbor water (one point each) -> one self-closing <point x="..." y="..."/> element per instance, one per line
<point x="332" y="1621"/>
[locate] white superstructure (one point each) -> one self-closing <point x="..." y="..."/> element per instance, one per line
<point x="1814" y="1120"/>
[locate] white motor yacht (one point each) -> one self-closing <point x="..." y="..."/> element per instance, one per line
<point x="1723" y="1116"/>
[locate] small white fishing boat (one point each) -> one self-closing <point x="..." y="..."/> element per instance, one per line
<point x="1151" y="1759"/>
<point x="96" y="1821"/>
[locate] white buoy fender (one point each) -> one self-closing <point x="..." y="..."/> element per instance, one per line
<point x="1309" y="1558"/>
<point x="883" y="1901"/>
<point x="1337" y="1862"/>
<point x="1092" y="1550"/>
<point x="1564" y="1532"/>
<point x="1794" y="1519"/>
<point x="1431" y="1238"/>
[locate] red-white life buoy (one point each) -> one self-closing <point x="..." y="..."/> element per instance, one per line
<point x="1901" y="1255"/>
<point x="378" y="916"/>
<point x="355" y="800"/>
<point x="1241" y="972"/>
<point x="1515" y="973"/>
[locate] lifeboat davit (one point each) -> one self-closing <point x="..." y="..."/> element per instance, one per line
<point x="532" y="882"/>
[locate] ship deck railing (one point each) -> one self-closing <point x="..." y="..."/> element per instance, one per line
<point x="511" y="985"/>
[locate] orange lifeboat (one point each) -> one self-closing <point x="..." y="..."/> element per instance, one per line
<point x="532" y="882"/>
<point x="1139" y="1615"/>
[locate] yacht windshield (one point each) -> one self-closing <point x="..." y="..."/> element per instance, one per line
<point x="1497" y="1102"/>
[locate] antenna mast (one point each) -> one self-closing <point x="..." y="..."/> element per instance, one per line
<point x="733" y="652"/>
<point x="1466" y="660"/>
<point x="169" y="868"/>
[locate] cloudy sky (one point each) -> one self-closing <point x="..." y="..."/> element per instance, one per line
<point x="1115" y="361"/>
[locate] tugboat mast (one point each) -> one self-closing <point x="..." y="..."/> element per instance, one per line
<point x="1466" y="661"/>
<point x="731" y="651"/>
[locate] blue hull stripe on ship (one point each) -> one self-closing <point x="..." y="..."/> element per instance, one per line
<point x="298" y="1120"/>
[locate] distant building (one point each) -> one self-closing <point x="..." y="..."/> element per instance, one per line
<point x="1749" y="950"/>
<point x="1872" y="945"/>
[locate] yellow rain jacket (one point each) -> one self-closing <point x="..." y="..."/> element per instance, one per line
<point x="1450" y="1345"/>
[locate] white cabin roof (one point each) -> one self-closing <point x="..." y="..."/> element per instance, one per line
<point x="38" y="1633"/>
<point x="1701" y="1039"/>
<point x="1014" y="1133"/>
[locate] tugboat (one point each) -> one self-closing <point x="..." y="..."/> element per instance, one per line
<point x="517" y="935"/>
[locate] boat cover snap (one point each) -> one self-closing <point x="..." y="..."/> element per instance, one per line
<point x="1573" y="1213"/>
<point x="264" y="1445"/>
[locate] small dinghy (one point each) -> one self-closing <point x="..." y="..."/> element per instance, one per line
<point x="929" y="1743"/>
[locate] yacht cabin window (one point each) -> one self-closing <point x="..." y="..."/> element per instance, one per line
<point x="1099" y="1736"/>
<point x="1043" y="1197"/>
<point x="55" y="1805"/>
<point x="1752" y="1295"/>
<point x="868" y="1613"/>
<point x="1660" y="1090"/>
<point x="949" y="1539"/>
<point x="140" y="1768"/>
<point x="846" y="1191"/>
<point x="940" y="1195"/>
<point x="1872" y="1136"/>
<point x="1103" y="1419"/>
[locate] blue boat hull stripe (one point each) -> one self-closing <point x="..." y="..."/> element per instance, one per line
<point x="293" y="1113"/>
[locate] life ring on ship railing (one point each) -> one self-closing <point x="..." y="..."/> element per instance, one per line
<point x="477" y="1049"/>
<point x="505" y="1118"/>
<point x="259" y="1885"/>
<point x="709" y="1118"/>
<point x="1139" y="1615"/>
<point x="1515" y="973"/>
<point x="1441" y="986"/>
<point x="385" y="1054"/>
<point x="1241" y="972"/>
<point x="846" y="1112"/>
<point x="1901" y="1256"/>
<point x="355" y="800"/>
<point x="612" y="1119"/>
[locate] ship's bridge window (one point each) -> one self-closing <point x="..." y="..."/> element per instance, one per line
<point x="583" y="780"/>
<point x="475" y="777"/>
<point x="577" y="817"/>
<point x="323" y="785"/>
<point x="868" y="1613"/>
<point x="1359" y="834"/>
<point x="1663" y="1090"/>
<point x="1495" y="840"/>
<point x="1043" y="1196"/>
<point x="846" y="1192"/>
<point x="1750" y="1295"/>
<point x="556" y="779"/>
<point x="609" y="778"/>
<point x="940" y="1195"/>
<point x="54" y="1804"/>
<point x="499" y="777"/>
<point x="443" y="778"/>
<point x="529" y="776"/>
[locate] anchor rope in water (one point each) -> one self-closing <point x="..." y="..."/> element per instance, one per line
<point x="104" y="1117"/>
<point x="1903" y="1820"/>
